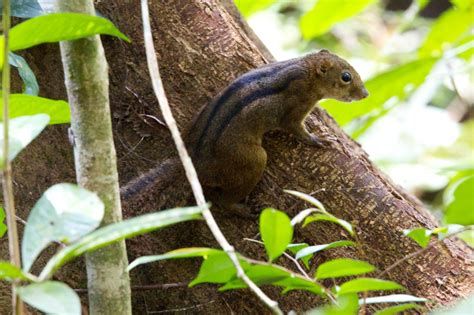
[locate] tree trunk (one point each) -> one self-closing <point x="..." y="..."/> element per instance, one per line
<point x="87" y="83"/>
<point x="201" y="48"/>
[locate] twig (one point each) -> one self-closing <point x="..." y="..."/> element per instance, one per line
<point x="7" y="181"/>
<point x="398" y="262"/>
<point x="187" y="163"/>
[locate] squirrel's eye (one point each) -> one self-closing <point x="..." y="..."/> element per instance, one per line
<point x="346" y="77"/>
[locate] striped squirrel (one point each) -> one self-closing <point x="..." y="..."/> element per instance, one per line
<point x="225" y="139"/>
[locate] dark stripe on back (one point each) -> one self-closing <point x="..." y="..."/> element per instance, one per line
<point x="261" y="93"/>
<point x="234" y="87"/>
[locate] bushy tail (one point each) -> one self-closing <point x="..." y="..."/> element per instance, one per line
<point x="157" y="179"/>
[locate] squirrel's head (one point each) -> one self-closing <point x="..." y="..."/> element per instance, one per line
<point x="337" y="79"/>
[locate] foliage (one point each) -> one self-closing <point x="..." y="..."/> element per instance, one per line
<point x="276" y="230"/>
<point x="3" y="227"/>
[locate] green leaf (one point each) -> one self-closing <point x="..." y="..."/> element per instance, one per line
<point x="438" y="39"/>
<point x="420" y="235"/>
<point x="64" y="213"/>
<point x="368" y="284"/>
<point x="297" y="283"/>
<point x="343" y="267"/>
<point x="30" y="85"/>
<point x="310" y="250"/>
<point x="249" y="7"/>
<point x="326" y="13"/>
<point x="9" y="272"/>
<point x="174" y="254"/>
<point x="459" y="203"/>
<point x="3" y="227"/>
<point x="397" y="309"/>
<point x="119" y="231"/>
<point x="422" y="3"/>
<point x="346" y="305"/>
<point x="466" y="47"/>
<point x="217" y="268"/>
<point x="56" y="27"/>
<point x="26" y="105"/>
<point x="276" y="232"/>
<point x="24" y="8"/>
<point x="260" y="275"/>
<point x="51" y="297"/>
<point x="329" y="217"/>
<point x="463" y="4"/>
<point x="271" y="274"/>
<point x="22" y="130"/>
<point x="295" y="248"/>
<point x="308" y="198"/>
<point x="395" y="84"/>
<point x="393" y="298"/>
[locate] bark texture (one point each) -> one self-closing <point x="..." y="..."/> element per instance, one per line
<point x="201" y="48"/>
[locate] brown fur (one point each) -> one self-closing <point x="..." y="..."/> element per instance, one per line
<point x="225" y="140"/>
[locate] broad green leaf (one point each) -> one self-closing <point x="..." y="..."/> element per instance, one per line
<point x="64" y="213"/>
<point x="393" y="298"/>
<point x="297" y="283"/>
<point x="276" y="232"/>
<point x="368" y="284"/>
<point x="56" y="27"/>
<point x="260" y="275"/>
<point x="330" y="218"/>
<point x="466" y="47"/>
<point x="346" y="305"/>
<point x="22" y="130"/>
<point x="394" y="84"/>
<point x="26" y="105"/>
<point x="3" y="227"/>
<point x="295" y="248"/>
<point x="24" y="8"/>
<point x="459" y="202"/>
<point x="30" y="85"/>
<point x="119" y="231"/>
<point x="326" y="13"/>
<point x="422" y="3"/>
<point x="308" y="198"/>
<point x="463" y="4"/>
<point x="310" y="250"/>
<point x="174" y="254"/>
<point x="271" y="274"/>
<point x="249" y="7"/>
<point x="420" y="235"/>
<point x="397" y="309"/>
<point x="217" y="268"/>
<point x="438" y="39"/>
<point x="343" y="267"/>
<point x="51" y="297"/>
<point x="9" y="272"/>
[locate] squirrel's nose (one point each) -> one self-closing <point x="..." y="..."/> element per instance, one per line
<point x="364" y="93"/>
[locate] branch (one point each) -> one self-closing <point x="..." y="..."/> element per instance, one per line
<point x="7" y="180"/>
<point x="187" y="163"/>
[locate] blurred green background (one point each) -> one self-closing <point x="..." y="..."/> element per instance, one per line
<point x="416" y="58"/>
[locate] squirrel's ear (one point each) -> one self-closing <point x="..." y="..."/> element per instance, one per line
<point x="324" y="66"/>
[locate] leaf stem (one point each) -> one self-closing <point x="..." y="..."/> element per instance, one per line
<point x="7" y="182"/>
<point x="187" y="163"/>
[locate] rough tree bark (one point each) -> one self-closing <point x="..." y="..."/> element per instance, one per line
<point x="201" y="48"/>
